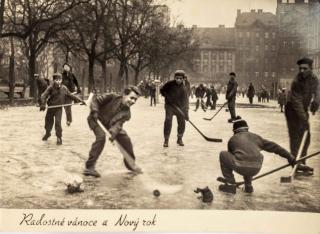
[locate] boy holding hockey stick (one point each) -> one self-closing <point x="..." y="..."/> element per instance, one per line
<point x="244" y="157"/>
<point x="112" y="111"/>
<point x="56" y="94"/>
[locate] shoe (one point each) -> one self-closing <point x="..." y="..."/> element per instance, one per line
<point x="238" y="117"/>
<point x="59" y="141"/>
<point x="304" y="168"/>
<point x="68" y="123"/>
<point x="228" y="188"/>
<point x="91" y="172"/>
<point x="166" y="143"/>
<point x="179" y="141"/>
<point x="248" y="188"/>
<point x="226" y="180"/>
<point x="46" y="136"/>
<point x="231" y="120"/>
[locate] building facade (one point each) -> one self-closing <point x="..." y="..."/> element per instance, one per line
<point x="216" y="56"/>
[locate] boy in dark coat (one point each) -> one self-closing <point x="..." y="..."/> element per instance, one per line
<point x="305" y="90"/>
<point x="112" y="110"/>
<point x="56" y="94"/>
<point x="175" y="93"/>
<point x="231" y="97"/>
<point x="282" y="99"/>
<point x="251" y="93"/>
<point x="214" y="97"/>
<point x="69" y="80"/>
<point x="244" y="157"/>
<point x="200" y="94"/>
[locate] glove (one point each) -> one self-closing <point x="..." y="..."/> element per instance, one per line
<point x="113" y="136"/>
<point x="83" y="103"/>
<point x="42" y="108"/>
<point x="314" y="107"/>
<point x="186" y="116"/>
<point x="95" y="116"/>
<point x="78" y="90"/>
<point x="291" y="160"/>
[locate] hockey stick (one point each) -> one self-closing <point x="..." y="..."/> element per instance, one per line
<point x="209" y="119"/>
<point x="57" y="106"/>
<point x="204" y="136"/>
<point x="288" y="179"/>
<point x="279" y="168"/>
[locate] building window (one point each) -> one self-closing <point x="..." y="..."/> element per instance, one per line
<point x="257" y="48"/>
<point x="240" y="34"/>
<point x="292" y="44"/>
<point x="248" y="34"/>
<point x="284" y="44"/>
<point x="257" y="74"/>
<point x="221" y="56"/>
<point x="257" y="35"/>
<point x="273" y="48"/>
<point x="213" y="55"/>
<point x="273" y="74"/>
<point x="229" y="55"/>
<point x="266" y="47"/>
<point x="266" y="74"/>
<point x="273" y="35"/>
<point x="266" y="35"/>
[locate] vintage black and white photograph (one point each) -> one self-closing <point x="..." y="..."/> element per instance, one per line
<point x="160" y="104"/>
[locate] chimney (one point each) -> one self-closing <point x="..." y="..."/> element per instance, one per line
<point x="238" y="12"/>
<point x="253" y="11"/>
<point x="260" y="11"/>
<point x="221" y="25"/>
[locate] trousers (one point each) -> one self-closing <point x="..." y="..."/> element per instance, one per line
<point x="54" y="115"/>
<point x="232" y="107"/>
<point x="170" y="112"/>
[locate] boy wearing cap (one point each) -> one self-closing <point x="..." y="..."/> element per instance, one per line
<point x="305" y="92"/>
<point x="112" y="110"/>
<point x="244" y="157"/>
<point x="175" y="93"/>
<point x="56" y="94"/>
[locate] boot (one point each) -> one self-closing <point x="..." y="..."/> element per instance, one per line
<point x="179" y="141"/>
<point x="91" y="172"/>
<point x="166" y="143"/>
<point x="46" y="136"/>
<point x="248" y="188"/>
<point x="304" y="168"/>
<point x="59" y="141"/>
<point x="228" y="188"/>
<point x="226" y="180"/>
<point x="68" y="123"/>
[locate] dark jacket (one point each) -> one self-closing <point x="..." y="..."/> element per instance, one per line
<point x="111" y="112"/>
<point x="214" y="95"/>
<point x="251" y="91"/>
<point x="200" y="92"/>
<point x="282" y="99"/>
<point x="302" y="91"/>
<point x="56" y="95"/>
<point x="70" y="81"/>
<point x="246" y="147"/>
<point x="175" y="94"/>
<point x="231" y="90"/>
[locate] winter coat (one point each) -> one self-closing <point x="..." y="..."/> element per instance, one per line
<point x="70" y="81"/>
<point x="200" y="92"/>
<point x="231" y="90"/>
<point x="56" y="95"/>
<point x="301" y="93"/>
<point x="214" y="95"/>
<point x="246" y="147"/>
<point x="175" y="94"/>
<point x="251" y="91"/>
<point x="282" y="99"/>
<point x="111" y="112"/>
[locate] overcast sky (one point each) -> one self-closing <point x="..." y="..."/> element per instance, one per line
<point x="211" y="13"/>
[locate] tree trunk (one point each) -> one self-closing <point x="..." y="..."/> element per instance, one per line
<point x="11" y="73"/>
<point x="1" y="14"/>
<point x="136" y="76"/>
<point x="83" y="83"/>
<point x="104" y="75"/>
<point x="126" y="83"/>
<point x="32" y="69"/>
<point x="91" y="85"/>
<point x="119" y="82"/>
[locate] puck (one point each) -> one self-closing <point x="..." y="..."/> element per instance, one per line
<point x="156" y="192"/>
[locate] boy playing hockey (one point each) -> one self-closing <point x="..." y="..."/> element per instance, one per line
<point x="244" y="157"/>
<point x="56" y="94"/>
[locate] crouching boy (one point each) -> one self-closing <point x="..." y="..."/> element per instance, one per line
<point x="112" y="110"/>
<point x="244" y="157"/>
<point x="56" y="94"/>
